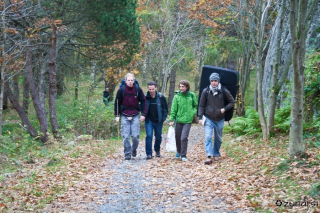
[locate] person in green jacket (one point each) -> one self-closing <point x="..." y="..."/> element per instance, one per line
<point x="183" y="108"/>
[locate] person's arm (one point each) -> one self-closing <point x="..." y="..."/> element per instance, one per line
<point x="142" y="99"/>
<point x="164" y="108"/>
<point x="202" y="104"/>
<point x="174" y="110"/>
<point x="194" y="104"/>
<point x="230" y="101"/>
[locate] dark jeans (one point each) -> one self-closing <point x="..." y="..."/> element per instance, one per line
<point x="157" y="127"/>
<point x="182" y="134"/>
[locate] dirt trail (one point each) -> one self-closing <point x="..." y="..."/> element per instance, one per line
<point x="162" y="184"/>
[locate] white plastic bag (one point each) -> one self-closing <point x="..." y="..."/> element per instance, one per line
<point x="171" y="140"/>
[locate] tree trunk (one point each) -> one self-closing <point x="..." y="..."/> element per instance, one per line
<point x="3" y="64"/>
<point x="275" y="89"/>
<point x="52" y="81"/>
<point x="15" y="85"/>
<point x="5" y="100"/>
<point x="76" y="89"/>
<point x="260" y="35"/>
<point x="172" y="88"/>
<point x="24" y="118"/>
<point x="301" y="12"/>
<point x="41" y="112"/>
<point x="41" y="82"/>
<point x="26" y="92"/>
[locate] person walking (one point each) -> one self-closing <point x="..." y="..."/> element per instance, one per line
<point x="129" y="102"/>
<point x="212" y="106"/>
<point x="106" y="96"/>
<point x="183" y="109"/>
<point x="157" y="111"/>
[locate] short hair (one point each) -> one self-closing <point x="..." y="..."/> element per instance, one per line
<point x="185" y="83"/>
<point x="152" y="83"/>
<point x="127" y="75"/>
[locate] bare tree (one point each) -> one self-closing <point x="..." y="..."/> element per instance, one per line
<point x="262" y="15"/>
<point x="301" y="12"/>
<point x="174" y="32"/>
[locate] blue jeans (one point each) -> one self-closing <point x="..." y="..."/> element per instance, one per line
<point x="209" y="127"/>
<point x="130" y="128"/>
<point x="157" y="127"/>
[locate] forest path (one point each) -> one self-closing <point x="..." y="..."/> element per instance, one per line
<point x="162" y="184"/>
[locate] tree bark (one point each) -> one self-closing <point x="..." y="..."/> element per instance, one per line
<point x="52" y="81"/>
<point x="26" y="92"/>
<point x="41" y="112"/>
<point x="24" y="118"/>
<point x="301" y="12"/>
<point x="172" y="88"/>
<point x="259" y="43"/>
<point x="16" y="89"/>
<point x="275" y="89"/>
<point x="3" y="64"/>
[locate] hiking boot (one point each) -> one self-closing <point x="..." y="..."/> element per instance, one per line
<point x="178" y="155"/>
<point x="134" y="153"/>
<point x="184" y="159"/>
<point x="149" y="157"/>
<point x="158" y="154"/>
<point x="127" y="158"/>
<point x="208" y="162"/>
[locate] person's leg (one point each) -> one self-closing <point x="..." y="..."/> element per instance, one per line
<point x="218" y="129"/>
<point x="125" y="132"/>
<point x="184" y="139"/>
<point x="157" y="133"/>
<point x="135" y="132"/>
<point x="208" y="129"/>
<point x="149" y="132"/>
<point x="178" y="136"/>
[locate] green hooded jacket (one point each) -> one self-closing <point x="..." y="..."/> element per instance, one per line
<point x="184" y="107"/>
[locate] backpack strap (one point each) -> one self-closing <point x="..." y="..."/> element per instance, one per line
<point x="124" y="89"/>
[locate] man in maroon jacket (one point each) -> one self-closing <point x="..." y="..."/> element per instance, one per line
<point x="129" y="102"/>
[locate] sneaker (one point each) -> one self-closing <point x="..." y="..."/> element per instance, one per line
<point x="178" y="155"/>
<point x="216" y="158"/>
<point x="127" y="158"/>
<point x="184" y="159"/>
<point x="158" y="154"/>
<point x="134" y="153"/>
<point x="149" y="157"/>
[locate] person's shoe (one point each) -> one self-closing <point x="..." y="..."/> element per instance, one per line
<point x="178" y="155"/>
<point x="127" y="158"/>
<point x="134" y="153"/>
<point x="208" y="162"/>
<point x="149" y="157"/>
<point x="216" y="158"/>
<point x="184" y="159"/>
<point x="158" y="154"/>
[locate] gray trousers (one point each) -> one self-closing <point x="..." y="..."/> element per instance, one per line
<point x="130" y="128"/>
<point x="182" y="134"/>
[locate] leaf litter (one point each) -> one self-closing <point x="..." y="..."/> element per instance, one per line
<point x="90" y="183"/>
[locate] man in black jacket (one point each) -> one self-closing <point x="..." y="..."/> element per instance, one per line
<point x="212" y="106"/>
<point x="106" y="96"/>
<point x="157" y="111"/>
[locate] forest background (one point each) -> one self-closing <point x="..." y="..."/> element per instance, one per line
<point x="58" y="56"/>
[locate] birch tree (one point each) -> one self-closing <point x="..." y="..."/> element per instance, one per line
<point x="301" y="12"/>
